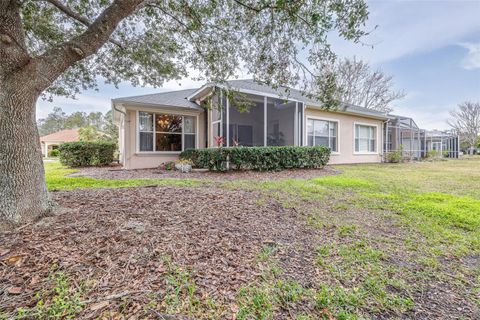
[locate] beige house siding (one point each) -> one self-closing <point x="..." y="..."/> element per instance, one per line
<point x="346" y="136"/>
<point x="132" y="159"/>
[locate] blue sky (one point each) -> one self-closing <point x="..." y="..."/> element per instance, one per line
<point x="432" y="49"/>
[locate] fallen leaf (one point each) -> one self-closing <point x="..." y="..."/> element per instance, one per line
<point x="34" y="280"/>
<point x="14" y="290"/>
<point x="14" y="260"/>
<point x="99" y="305"/>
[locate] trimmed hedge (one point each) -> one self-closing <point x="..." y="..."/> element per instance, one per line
<point x="87" y="153"/>
<point x="258" y="158"/>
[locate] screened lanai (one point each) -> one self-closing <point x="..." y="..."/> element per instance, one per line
<point x="402" y="133"/>
<point x="255" y="120"/>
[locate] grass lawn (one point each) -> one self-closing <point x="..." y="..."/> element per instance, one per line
<point x="376" y="241"/>
<point x="57" y="178"/>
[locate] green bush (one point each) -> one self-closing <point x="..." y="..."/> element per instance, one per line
<point x="258" y="158"/>
<point x="87" y="153"/>
<point x="394" y="156"/>
<point x="53" y="153"/>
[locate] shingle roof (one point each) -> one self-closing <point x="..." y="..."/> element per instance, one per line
<point x="171" y="98"/>
<point x="68" y="135"/>
<point x="179" y="98"/>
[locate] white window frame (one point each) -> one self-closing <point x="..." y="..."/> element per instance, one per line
<point x="375" y="126"/>
<point x="173" y="113"/>
<point x="323" y="119"/>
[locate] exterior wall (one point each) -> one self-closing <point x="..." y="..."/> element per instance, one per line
<point x="132" y="159"/>
<point x="346" y="136"/>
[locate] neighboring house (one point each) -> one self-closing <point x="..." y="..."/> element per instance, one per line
<point x="53" y="140"/>
<point x="155" y="128"/>
<point x="415" y="142"/>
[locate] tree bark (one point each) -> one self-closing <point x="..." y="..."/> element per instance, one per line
<point x="23" y="191"/>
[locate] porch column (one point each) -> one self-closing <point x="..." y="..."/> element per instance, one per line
<point x="295" y="126"/>
<point x="265" y="121"/>
<point x="227" y="126"/>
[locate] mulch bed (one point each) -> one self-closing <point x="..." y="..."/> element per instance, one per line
<point x="116" y="172"/>
<point x="114" y="239"/>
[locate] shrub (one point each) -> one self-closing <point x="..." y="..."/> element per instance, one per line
<point x="394" y="156"/>
<point x="87" y="153"/>
<point x="53" y="153"/>
<point x="258" y="158"/>
<point x="169" y="166"/>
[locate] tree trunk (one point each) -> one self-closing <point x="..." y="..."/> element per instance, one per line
<point x="23" y="192"/>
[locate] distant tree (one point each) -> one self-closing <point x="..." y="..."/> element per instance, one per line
<point x="109" y="128"/>
<point x="89" y="133"/>
<point x="55" y="121"/>
<point x="59" y="47"/>
<point x="58" y="120"/>
<point x="76" y="120"/>
<point x="465" y="120"/>
<point x="357" y="84"/>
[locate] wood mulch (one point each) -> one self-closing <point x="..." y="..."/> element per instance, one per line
<point x="115" y="240"/>
<point x="116" y="172"/>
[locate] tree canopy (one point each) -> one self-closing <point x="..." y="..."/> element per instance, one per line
<point x="162" y="40"/>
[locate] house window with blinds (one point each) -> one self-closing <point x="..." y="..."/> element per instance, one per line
<point x="365" y="138"/>
<point x="322" y="133"/>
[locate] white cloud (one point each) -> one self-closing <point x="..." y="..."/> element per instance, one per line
<point x="472" y="59"/>
<point x="409" y="27"/>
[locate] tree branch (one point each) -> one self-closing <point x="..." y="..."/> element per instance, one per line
<point x="72" y="14"/>
<point x="55" y="61"/>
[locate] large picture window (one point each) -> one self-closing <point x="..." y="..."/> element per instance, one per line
<point x="166" y="132"/>
<point x="322" y="133"/>
<point x="365" y="138"/>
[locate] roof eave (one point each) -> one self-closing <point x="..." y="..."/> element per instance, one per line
<point x="149" y="104"/>
<point x="352" y="112"/>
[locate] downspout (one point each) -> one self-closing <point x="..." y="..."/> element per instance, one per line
<point x="385" y="149"/>
<point x="123" y="156"/>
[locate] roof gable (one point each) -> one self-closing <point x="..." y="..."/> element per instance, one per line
<point x="68" y="135"/>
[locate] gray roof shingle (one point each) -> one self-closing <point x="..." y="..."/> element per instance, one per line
<point x="170" y="98"/>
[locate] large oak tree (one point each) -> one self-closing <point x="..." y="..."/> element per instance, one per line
<point x="59" y="47"/>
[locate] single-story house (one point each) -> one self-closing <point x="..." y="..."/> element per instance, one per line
<point x="156" y="128"/>
<point x="53" y="140"/>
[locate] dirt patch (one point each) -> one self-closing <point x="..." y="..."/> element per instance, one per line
<point x="118" y="173"/>
<point x="116" y="241"/>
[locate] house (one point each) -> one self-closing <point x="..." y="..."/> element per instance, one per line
<point x="156" y="128"/>
<point x="53" y="140"/>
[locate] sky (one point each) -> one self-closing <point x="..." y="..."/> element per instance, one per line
<point x="430" y="47"/>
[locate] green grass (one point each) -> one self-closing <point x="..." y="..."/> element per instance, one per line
<point x="62" y="301"/>
<point x="434" y="207"/>
<point x="57" y="178"/>
<point x="441" y="200"/>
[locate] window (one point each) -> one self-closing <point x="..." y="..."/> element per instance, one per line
<point x="365" y="138"/>
<point x="166" y="132"/>
<point x="322" y="133"/>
